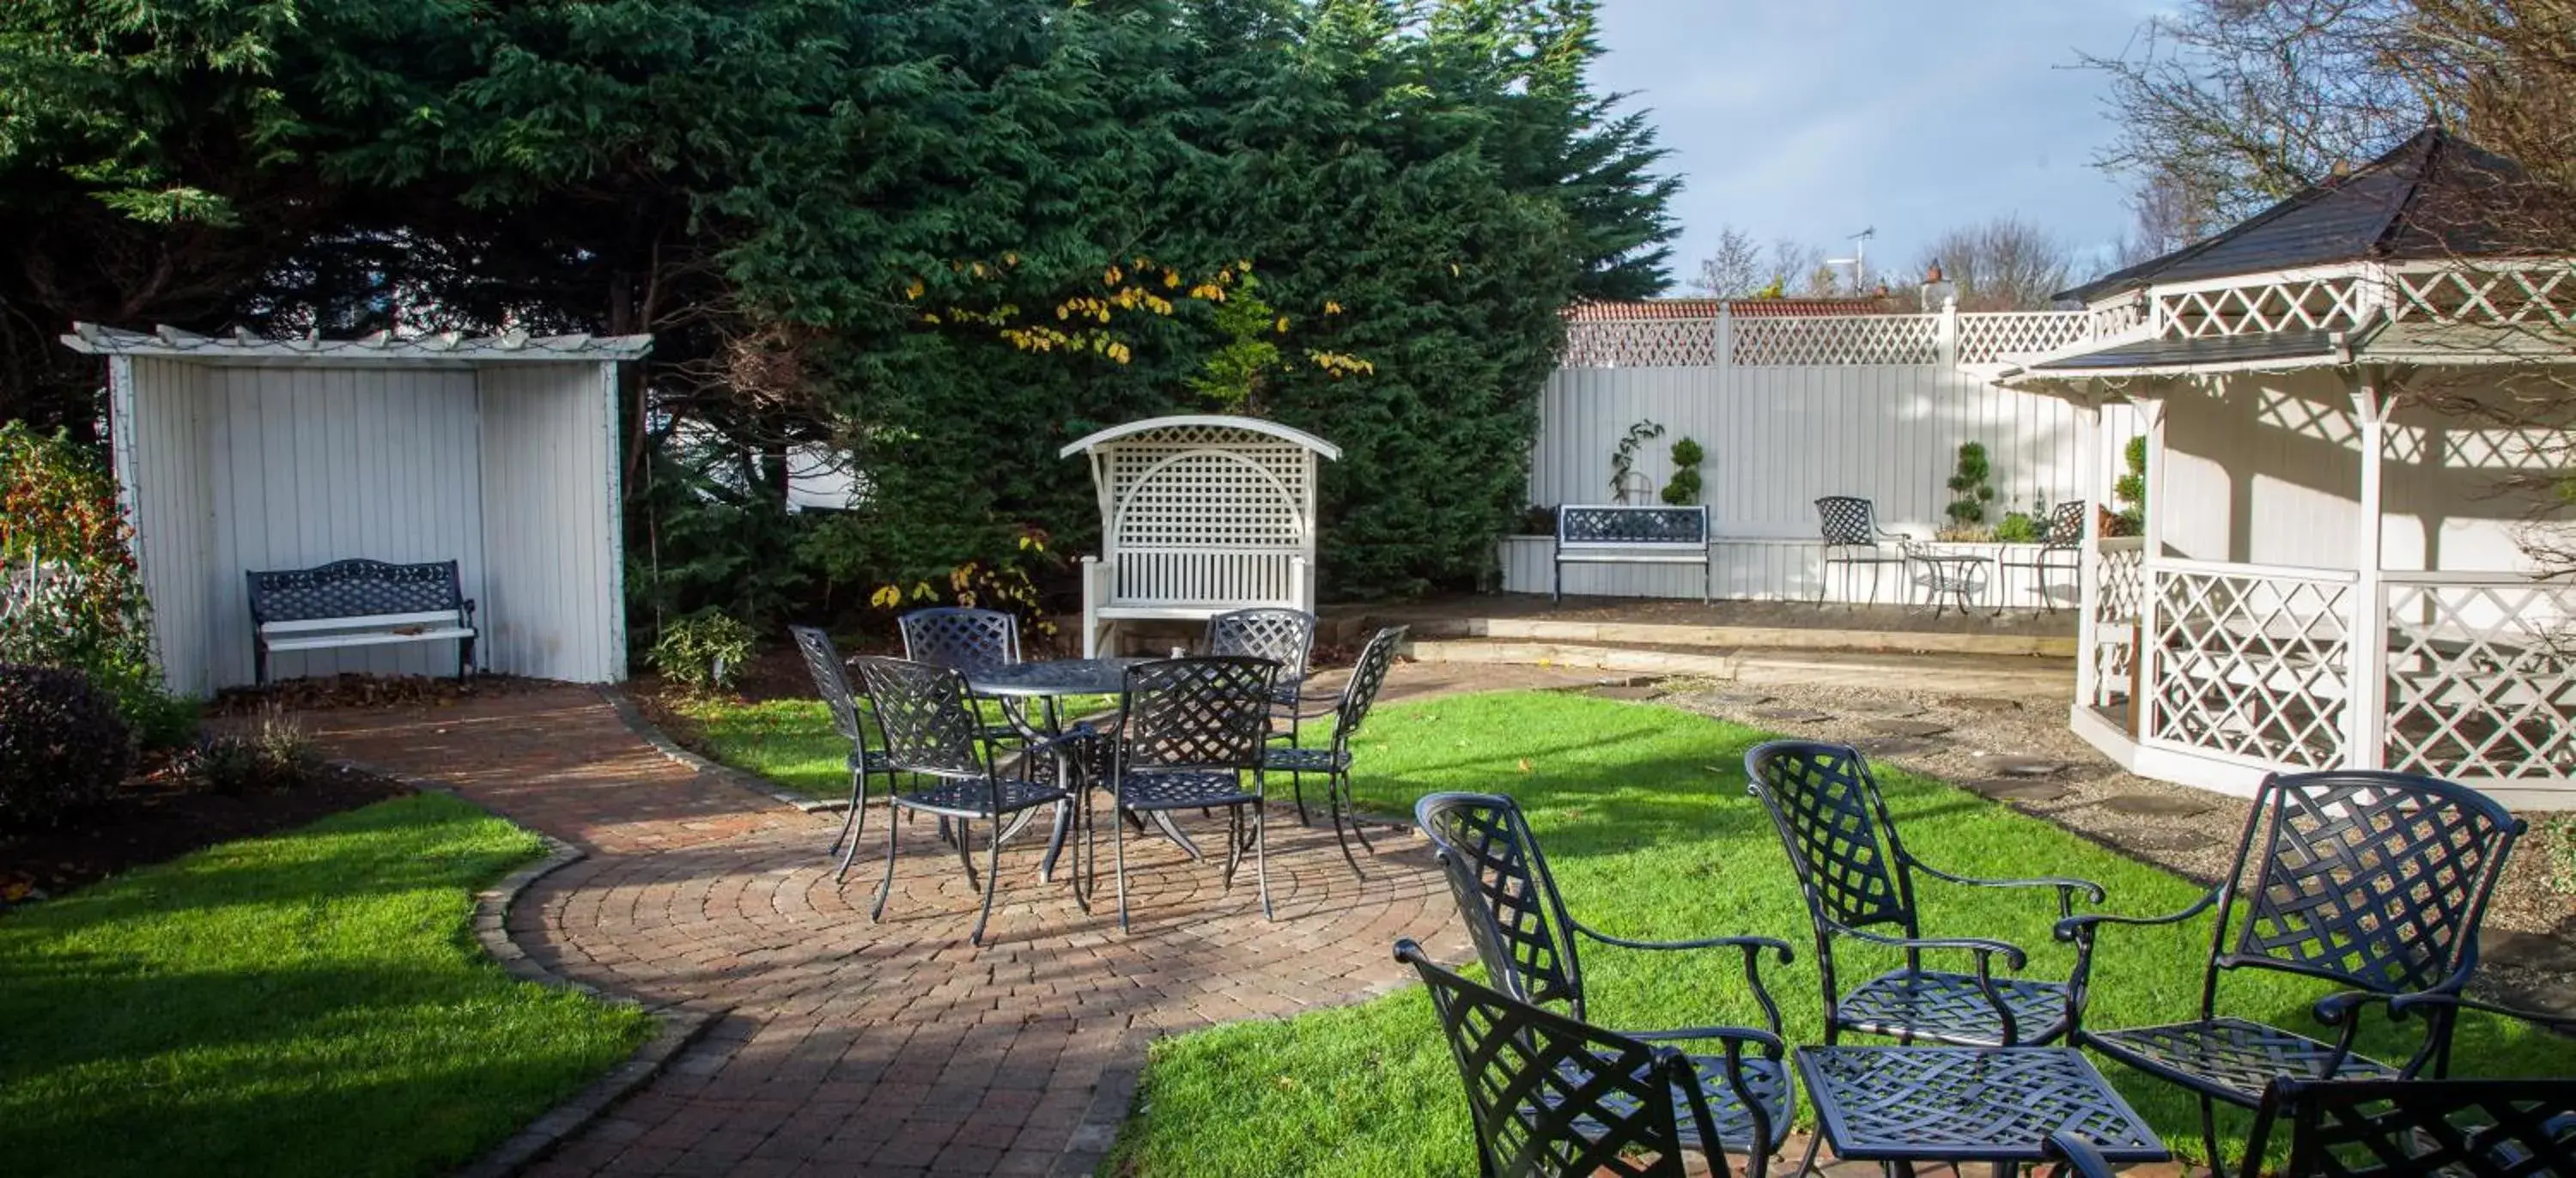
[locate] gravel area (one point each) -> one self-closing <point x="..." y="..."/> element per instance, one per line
<point x="2019" y="750"/>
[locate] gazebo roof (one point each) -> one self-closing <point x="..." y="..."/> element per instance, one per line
<point x="2412" y="342"/>
<point x="1201" y="421"/>
<point x="2435" y="196"/>
<point x="444" y="350"/>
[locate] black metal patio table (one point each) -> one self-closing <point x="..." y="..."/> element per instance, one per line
<point x="1900" y="1105"/>
<point x="1049" y="682"/>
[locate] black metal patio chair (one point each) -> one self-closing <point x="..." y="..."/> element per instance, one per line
<point x="2061" y="549"/>
<point x="1528" y="942"/>
<point x="1191" y="733"/>
<point x="1855" y="873"/>
<point x="2375" y="881"/>
<point x="866" y="759"/>
<point x="1285" y="637"/>
<point x="931" y="731"/>
<point x="2484" y="1128"/>
<point x="966" y="640"/>
<point x="1849" y="527"/>
<point x="1350" y="710"/>
<point x="1549" y="1096"/>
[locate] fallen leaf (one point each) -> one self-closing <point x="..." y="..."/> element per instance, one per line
<point x="1525" y="765"/>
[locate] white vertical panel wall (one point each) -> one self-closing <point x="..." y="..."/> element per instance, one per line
<point x="554" y="605"/>
<point x="308" y="465"/>
<point x="1777" y="438"/>
<point x="162" y="464"/>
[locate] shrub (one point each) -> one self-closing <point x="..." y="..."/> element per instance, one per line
<point x="702" y="653"/>
<point x="2130" y="489"/>
<point x="1970" y="483"/>
<point x="70" y="595"/>
<point x="275" y="754"/>
<point x="2019" y="527"/>
<point x="62" y="745"/>
<point x="1684" y="488"/>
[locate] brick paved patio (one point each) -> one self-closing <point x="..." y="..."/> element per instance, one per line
<point x="893" y="1048"/>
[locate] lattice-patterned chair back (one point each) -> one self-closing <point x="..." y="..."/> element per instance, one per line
<point x="2373" y="880"/>
<point x="1505" y="894"/>
<point x="353" y="589"/>
<point x="1549" y="1096"/>
<point x="929" y="725"/>
<point x="1836" y="830"/>
<point x="823" y="661"/>
<point x="1847" y="520"/>
<point x="1210" y="712"/>
<point x="1368" y="676"/>
<point x="2411" y="1128"/>
<point x="968" y="640"/>
<point x="1284" y="636"/>
<point x="2066" y="524"/>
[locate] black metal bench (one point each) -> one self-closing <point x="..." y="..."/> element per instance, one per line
<point x="1633" y="535"/>
<point x="359" y="603"/>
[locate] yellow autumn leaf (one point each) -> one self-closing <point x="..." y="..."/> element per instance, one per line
<point x="1283" y="325"/>
<point x="913" y="291"/>
<point x="1332" y="308"/>
<point x="1010" y="259"/>
<point x="921" y="591"/>
<point x="1171" y="278"/>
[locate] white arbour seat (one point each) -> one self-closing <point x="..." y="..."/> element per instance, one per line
<point x="1199" y="515"/>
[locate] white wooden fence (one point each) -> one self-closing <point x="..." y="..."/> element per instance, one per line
<point x="1791" y="408"/>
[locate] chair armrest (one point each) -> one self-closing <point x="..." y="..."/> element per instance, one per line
<point x="2082" y="929"/>
<point x="2074" y="1156"/>
<point x="2066" y="888"/>
<point x="2405" y="1006"/>
<point x="1751" y="947"/>
<point x="468" y="611"/>
<point x="1984" y="952"/>
<point x="1081" y="731"/>
<point x="1773" y="1046"/>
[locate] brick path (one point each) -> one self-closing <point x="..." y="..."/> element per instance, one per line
<point x="893" y="1048"/>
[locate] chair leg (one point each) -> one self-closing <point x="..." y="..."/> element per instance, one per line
<point x="1233" y="842"/>
<point x="1334" y="789"/>
<point x="2209" y="1135"/>
<point x="885" y="887"/>
<point x="1807" y="1162"/>
<point x="992" y="877"/>
<point x="1118" y="844"/>
<point x="855" y="822"/>
<point x="966" y="856"/>
<point x="1261" y="857"/>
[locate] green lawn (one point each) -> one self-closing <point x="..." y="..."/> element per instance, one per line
<point x="307" y="1003"/>
<point x="1643" y="814"/>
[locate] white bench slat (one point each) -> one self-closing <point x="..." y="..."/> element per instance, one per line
<point x="361" y="622"/>
<point x="367" y="638"/>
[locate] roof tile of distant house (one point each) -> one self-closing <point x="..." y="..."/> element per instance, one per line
<point x="2435" y="196"/>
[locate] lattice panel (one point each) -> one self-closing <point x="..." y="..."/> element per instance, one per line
<point x="2252" y="664"/>
<point x="2261" y="308"/>
<point x="1509" y="906"/>
<point x="1826" y="809"/>
<point x="2120" y="587"/>
<point x="1838" y="339"/>
<point x="1987" y="338"/>
<point x="2493" y="296"/>
<point x="2372" y="884"/>
<point x="1246" y="496"/>
<point x="1640" y="343"/>
<point x="2481" y="681"/>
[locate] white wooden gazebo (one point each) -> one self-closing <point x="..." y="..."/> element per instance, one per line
<point x="1199" y="514"/>
<point x="237" y="453"/>
<point x="2334" y="395"/>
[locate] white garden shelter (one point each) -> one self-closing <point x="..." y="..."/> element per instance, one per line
<point x="2335" y="395"/>
<point x="237" y="453"/>
<point x="1199" y="514"/>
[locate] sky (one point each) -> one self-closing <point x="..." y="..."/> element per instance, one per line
<point x="1815" y="119"/>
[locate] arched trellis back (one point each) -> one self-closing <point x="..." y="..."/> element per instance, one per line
<point x="1199" y="514"/>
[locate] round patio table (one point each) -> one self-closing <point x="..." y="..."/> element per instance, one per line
<point x="1048" y="682"/>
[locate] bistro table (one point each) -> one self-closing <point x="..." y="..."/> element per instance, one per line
<point x="1018" y="685"/>
<point x="1957" y="577"/>
<point x="1956" y="1105"/>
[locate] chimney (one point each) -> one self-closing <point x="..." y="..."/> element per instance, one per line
<point x="1937" y="291"/>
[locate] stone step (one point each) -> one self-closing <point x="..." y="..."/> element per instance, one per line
<point x="2023" y="675"/>
<point x="1540" y="629"/>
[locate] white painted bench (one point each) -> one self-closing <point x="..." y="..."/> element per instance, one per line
<point x="358" y="603"/>
<point x="1632" y="535"/>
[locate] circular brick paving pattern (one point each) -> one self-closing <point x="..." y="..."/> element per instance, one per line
<point x="853" y="1047"/>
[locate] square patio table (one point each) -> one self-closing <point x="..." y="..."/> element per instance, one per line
<point x="1901" y="1105"/>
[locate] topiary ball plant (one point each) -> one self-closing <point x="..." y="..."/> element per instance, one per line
<point x="62" y="745"/>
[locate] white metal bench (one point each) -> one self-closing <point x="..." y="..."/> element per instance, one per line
<point x="1633" y="535"/>
<point x="358" y="603"/>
